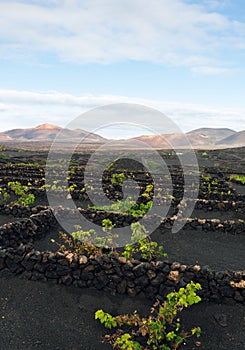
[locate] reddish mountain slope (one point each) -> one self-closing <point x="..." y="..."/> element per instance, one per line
<point x="4" y="137"/>
<point x="203" y="137"/>
<point x="48" y="132"/>
<point x="209" y="135"/>
<point x="198" y="138"/>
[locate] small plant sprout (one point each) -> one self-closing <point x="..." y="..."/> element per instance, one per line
<point x="148" y="191"/>
<point x="107" y="225"/>
<point x="21" y="191"/>
<point x="238" y="178"/>
<point x="118" y="179"/>
<point x="142" y="244"/>
<point x="4" y="195"/>
<point x="128" y="206"/>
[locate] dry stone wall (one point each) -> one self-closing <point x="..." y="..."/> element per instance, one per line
<point x="110" y="273"/>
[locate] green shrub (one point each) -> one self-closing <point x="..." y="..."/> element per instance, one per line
<point x="89" y="242"/>
<point x="118" y="179"/>
<point x="24" y="197"/>
<point x="238" y="178"/>
<point x="141" y="243"/>
<point x="160" y="330"/>
<point x="21" y="191"/>
<point x="128" y="206"/>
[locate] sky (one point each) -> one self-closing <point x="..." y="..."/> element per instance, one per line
<point x="60" y="58"/>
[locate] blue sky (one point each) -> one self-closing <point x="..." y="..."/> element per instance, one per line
<point x="182" y="57"/>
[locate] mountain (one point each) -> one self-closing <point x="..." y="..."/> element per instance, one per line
<point x="48" y="132"/>
<point x="4" y="137"/>
<point x="41" y="132"/>
<point x="237" y="139"/>
<point x="163" y="140"/>
<point x="153" y="140"/>
<point x="198" y="138"/>
<point x="207" y="136"/>
<point x="47" y="126"/>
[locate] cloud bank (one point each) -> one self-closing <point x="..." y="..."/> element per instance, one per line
<point x="170" y="32"/>
<point x="28" y="109"/>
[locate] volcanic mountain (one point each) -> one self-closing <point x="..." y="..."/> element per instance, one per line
<point x="237" y="139"/>
<point x="4" y="137"/>
<point x="198" y="138"/>
<point x="48" y="132"/>
<point x="209" y="135"/>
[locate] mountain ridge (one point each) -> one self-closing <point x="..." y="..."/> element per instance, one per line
<point x="237" y="139"/>
<point x="48" y="132"/>
<point x="198" y="138"/>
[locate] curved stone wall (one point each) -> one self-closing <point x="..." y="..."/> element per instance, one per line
<point x="114" y="274"/>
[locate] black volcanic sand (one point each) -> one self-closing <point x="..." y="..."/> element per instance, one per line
<point x="239" y="188"/>
<point x="45" y="243"/>
<point x="35" y="315"/>
<point x="220" y="251"/>
<point x="216" y="214"/>
<point x="4" y="219"/>
<point x="47" y="316"/>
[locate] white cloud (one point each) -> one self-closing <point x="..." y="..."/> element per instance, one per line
<point x="211" y="4"/>
<point x="29" y="109"/>
<point x="208" y="70"/>
<point x="3" y="107"/>
<point x="96" y="31"/>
